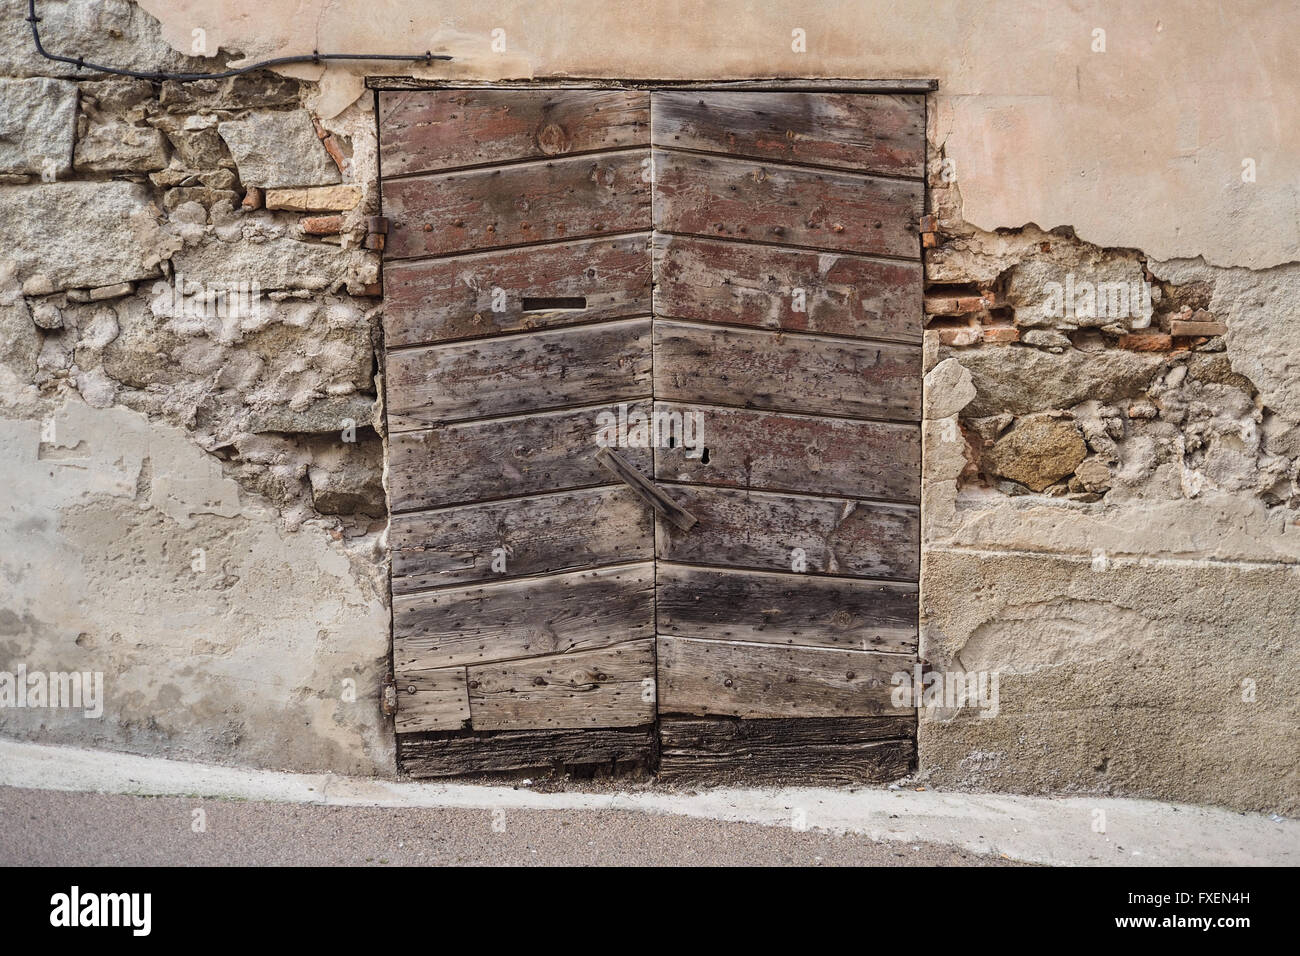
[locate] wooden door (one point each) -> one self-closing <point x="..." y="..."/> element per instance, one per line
<point x="748" y="259"/>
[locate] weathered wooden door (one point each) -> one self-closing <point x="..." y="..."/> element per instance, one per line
<point x="716" y="296"/>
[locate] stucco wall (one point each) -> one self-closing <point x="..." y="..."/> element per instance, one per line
<point x="1145" y="575"/>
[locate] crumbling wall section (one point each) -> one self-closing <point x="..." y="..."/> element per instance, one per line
<point x="189" y="334"/>
<point x="1111" y="517"/>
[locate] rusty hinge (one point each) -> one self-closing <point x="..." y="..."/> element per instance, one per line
<point x="388" y="696"/>
<point x="376" y="231"/>
<point x="929" y="232"/>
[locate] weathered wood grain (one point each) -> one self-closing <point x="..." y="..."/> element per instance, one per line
<point x="530" y="617"/>
<point x="425" y="756"/>
<point x="741" y="199"/>
<point x="794" y="373"/>
<point x="795" y="609"/>
<point x="608" y="687"/>
<point x="764" y="680"/>
<point x="651" y="494"/>
<point x="547" y="201"/>
<point x="447" y="129"/>
<point x="473" y="296"/>
<point x="776" y="451"/>
<point x="860" y="132"/>
<point x="609" y="362"/>
<point x="735" y="283"/>
<point x="804" y="751"/>
<point x="751" y="529"/>
<point x="547" y="534"/>
<point x="525" y="455"/>
<point x="432" y="700"/>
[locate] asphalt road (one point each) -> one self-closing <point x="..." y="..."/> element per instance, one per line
<point x="45" y="827"/>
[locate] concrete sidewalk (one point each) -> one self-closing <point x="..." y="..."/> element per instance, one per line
<point x="461" y="823"/>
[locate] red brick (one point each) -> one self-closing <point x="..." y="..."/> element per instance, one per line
<point x="1182" y="329"/>
<point x="1001" y="334"/>
<point x="1147" y="342"/>
<point x="321" y="225"/>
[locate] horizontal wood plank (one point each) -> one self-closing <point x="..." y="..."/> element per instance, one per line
<point x="609" y="362"/>
<point x="860" y="132"/>
<point x="484" y="294"/>
<point x="432" y="700"/>
<point x="804" y="751"/>
<point x="758" y="530"/>
<point x="531" y="617"/>
<point x="795" y="609"/>
<point x="608" y="687"/>
<point x="446" y="129"/>
<point x="430" y="756"/>
<point x="519" y="536"/>
<point x="776" y="451"/>
<point x="768" y="287"/>
<point x="548" y="201"/>
<point x="740" y="199"/>
<point x="763" y="680"/>
<point x="795" y="373"/>
<point x="525" y="455"/>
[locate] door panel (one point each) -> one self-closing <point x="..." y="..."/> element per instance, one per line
<point x="484" y="294"/>
<point x="757" y="270"/>
<point x="843" y="294"/>
<point x="541" y="201"/>
<point x="744" y="200"/>
<point x="854" y="131"/>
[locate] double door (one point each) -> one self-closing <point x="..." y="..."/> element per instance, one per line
<point x="653" y="383"/>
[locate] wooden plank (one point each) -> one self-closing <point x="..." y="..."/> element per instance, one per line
<point x="833" y="85"/>
<point x="735" y="283"/>
<point x="859" y="132"/>
<point x="763" y="680"/>
<point x="467" y="297"/>
<point x="432" y="700"/>
<point x="531" y="617"/>
<point x="425" y="756"/>
<point x="609" y="687"/>
<point x="728" y="605"/>
<point x="650" y="493"/>
<point x="775" y="451"/>
<point x="545" y="201"/>
<point x="525" y="455"/>
<point x="427" y="132"/>
<point x="547" y="534"/>
<point x="752" y="529"/>
<point x="741" y="199"/>
<point x="805" y="751"/>
<point x="609" y="362"/>
<point x="795" y="373"/>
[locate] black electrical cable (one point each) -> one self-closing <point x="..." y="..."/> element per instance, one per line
<point x="314" y="57"/>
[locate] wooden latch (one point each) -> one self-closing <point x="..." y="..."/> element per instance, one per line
<point x="645" y="489"/>
<point x="376" y="231"/>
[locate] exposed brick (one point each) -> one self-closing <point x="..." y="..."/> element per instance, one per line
<point x="1146" y="342"/>
<point x="254" y="198"/>
<point x="1197" y="328"/>
<point x="312" y="199"/>
<point x="1001" y="334"/>
<point x="321" y="225"/>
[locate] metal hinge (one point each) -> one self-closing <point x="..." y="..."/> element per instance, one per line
<point x="929" y="232"/>
<point x="376" y="231"/>
<point x="388" y="696"/>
